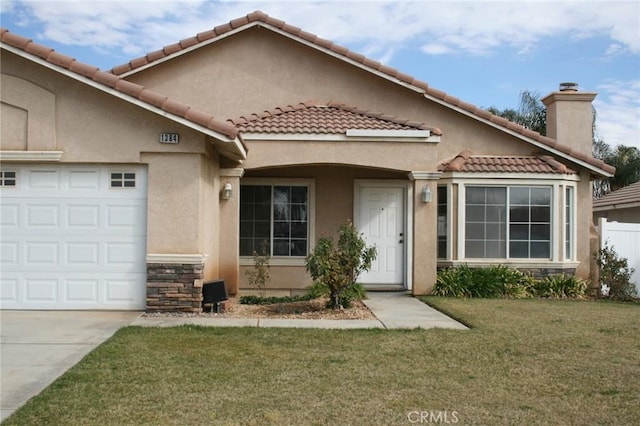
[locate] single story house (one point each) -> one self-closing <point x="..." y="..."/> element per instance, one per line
<point x="622" y="205"/>
<point x="126" y="189"/>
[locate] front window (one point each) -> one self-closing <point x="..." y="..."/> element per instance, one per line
<point x="508" y="222"/>
<point x="274" y="218"/>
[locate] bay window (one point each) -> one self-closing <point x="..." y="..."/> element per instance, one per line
<point x="508" y="222"/>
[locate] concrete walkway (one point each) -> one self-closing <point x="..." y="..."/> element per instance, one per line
<point x="391" y="309"/>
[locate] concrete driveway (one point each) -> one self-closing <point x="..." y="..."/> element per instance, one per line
<point x="36" y="347"/>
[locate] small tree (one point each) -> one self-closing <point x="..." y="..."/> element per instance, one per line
<point x="615" y="275"/>
<point x="338" y="267"/>
<point x="259" y="276"/>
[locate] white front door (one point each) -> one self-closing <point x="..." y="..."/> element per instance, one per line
<point x="381" y="220"/>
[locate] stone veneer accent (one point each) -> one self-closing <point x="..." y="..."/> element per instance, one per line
<point x="174" y="287"/>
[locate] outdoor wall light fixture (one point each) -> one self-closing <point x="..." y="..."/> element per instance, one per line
<point x="426" y="194"/>
<point x="227" y="191"/>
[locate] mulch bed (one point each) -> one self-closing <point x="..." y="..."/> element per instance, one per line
<point x="312" y="309"/>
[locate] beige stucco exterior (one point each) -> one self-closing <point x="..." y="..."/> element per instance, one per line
<point x="60" y="114"/>
<point x="44" y="109"/>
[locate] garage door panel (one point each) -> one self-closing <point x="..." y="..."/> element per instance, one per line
<point x="41" y="253"/>
<point x="83" y="180"/>
<point x="82" y="217"/>
<point x="43" y="179"/>
<point x="81" y="291"/>
<point x="41" y="290"/>
<point x="9" y="290"/>
<point x="119" y="291"/>
<point x="9" y="254"/>
<point x="9" y="215"/>
<point x="123" y="217"/>
<point x="43" y="216"/>
<point x="69" y="241"/>
<point x="82" y="254"/>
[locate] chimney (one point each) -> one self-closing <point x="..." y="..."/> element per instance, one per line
<point x="570" y="117"/>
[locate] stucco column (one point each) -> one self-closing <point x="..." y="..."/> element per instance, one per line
<point x="425" y="232"/>
<point x="229" y="247"/>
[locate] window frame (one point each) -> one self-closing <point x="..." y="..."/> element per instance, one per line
<point x="558" y="183"/>
<point x="4" y="178"/>
<point x="569" y="220"/>
<point x="448" y="217"/>
<point x="283" y="260"/>
<point x="123" y="179"/>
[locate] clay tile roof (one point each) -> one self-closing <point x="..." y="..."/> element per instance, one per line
<point x="114" y="82"/>
<point x="261" y="18"/>
<point x="629" y="194"/>
<point x="467" y="162"/>
<point x="322" y="118"/>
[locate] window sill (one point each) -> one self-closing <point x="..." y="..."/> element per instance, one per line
<point x="276" y="261"/>
<point x="516" y="263"/>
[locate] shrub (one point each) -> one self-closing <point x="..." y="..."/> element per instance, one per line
<point x="615" y="274"/>
<point x="560" y="286"/>
<point x="338" y="266"/>
<point x="493" y="281"/>
<point x="349" y="295"/>
<point x="259" y="276"/>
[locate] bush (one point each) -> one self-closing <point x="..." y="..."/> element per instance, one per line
<point x="502" y="281"/>
<point x="560" y="286"/>
<point x="493" y="281"/>
<point x="338" y="267"/>
<point x="259" y="276"/>
<point x="615" y="274"/>
<point x="349" y="295"/>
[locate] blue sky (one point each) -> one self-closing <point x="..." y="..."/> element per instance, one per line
<point x="484" y="52"/>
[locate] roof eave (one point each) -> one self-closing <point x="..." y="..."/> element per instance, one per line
<point x="616" y="206"/>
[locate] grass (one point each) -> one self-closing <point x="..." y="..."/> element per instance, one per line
<point x="523" y="362"/>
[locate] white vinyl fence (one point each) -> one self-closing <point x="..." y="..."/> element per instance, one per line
<point x="625" y="240"/>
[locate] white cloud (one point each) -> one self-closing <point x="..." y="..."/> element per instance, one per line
<point x="478" y="28"/>
<point x="436" y="49"/>
<point x="618" y="112"/>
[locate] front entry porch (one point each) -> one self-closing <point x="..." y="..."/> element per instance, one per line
<point x="299" y="204"/>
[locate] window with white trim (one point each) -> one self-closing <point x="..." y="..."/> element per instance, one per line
<point x="568" y="222"/>
<point x="275" y="217"/>
<point x="123" y="180"/>
<point x="442" y="222"/>
<point x="7" y="178"/>
<point x="508" y="222"/>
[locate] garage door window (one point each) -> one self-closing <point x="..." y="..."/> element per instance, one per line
<point x="123" y="180"/>
<point x="7" y="178"/>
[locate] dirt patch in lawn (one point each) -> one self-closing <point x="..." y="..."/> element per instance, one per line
<point x="312" y="309"/>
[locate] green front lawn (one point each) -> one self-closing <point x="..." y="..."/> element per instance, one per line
<point x="523" y="362"/>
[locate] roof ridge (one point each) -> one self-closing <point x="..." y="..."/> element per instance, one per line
<point x="112" y="81"/>
<point x="245" y="119"/>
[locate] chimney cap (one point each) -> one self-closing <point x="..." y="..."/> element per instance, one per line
<point x="568" y="87"/>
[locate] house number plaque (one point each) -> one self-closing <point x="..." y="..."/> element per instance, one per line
<point x="169" y="137"/>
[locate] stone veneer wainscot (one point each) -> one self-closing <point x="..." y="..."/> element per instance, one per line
<point x="174" y="287"/>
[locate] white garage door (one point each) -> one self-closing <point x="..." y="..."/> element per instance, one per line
<point x="73" y="237"/>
